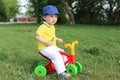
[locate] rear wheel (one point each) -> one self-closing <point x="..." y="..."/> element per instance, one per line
<point x="42" y="63"/>
<point x="40" y="71"/>
<point x="71" y="69"/>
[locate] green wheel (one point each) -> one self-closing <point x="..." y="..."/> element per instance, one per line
<point x="42" y="63"/>
<point x="40" y="71"/>
<point x="79" y="67"/>
<point x="71" y="69"/>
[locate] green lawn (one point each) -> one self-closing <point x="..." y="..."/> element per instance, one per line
<point x="98" y="51"/>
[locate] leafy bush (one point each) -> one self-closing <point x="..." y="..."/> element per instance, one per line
<point x="3" y="56"/>
<point x="94" y="51"/>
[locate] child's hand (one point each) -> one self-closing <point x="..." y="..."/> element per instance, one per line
<point x="49" y="43"/>
<point x="59" y="40"/>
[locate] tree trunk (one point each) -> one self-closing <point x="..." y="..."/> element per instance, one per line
<point x="69" y="12"/>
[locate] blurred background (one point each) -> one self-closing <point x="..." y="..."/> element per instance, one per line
<point x="71" y="11"/>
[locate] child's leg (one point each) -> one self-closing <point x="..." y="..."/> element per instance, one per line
<point x="52" y="53"/>
<point x="63" y="56"/>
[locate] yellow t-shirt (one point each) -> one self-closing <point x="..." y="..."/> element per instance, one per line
<point x="47" y="32"/>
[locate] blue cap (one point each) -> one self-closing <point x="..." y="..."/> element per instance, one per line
<point x="50" y="9"/>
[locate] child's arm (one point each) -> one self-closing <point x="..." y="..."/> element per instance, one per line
<point x="42" y="40"/>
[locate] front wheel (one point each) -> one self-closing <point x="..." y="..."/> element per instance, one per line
<point x="71" y="69"/>
<point x="40" y="71"/>
<point x="79" y="67"/>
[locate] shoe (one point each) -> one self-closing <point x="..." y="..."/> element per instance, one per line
<point x="64" y="75"/>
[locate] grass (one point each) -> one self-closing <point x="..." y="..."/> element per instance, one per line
<point x="98" y="51"/>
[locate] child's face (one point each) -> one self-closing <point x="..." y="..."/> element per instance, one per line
<point x="51" y="19"/>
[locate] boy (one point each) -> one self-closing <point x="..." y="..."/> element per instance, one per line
<point x="46" y="38"/>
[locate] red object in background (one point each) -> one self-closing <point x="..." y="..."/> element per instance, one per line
<point x="30" y="19"/>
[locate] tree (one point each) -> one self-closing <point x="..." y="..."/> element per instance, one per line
<point x="88" y="11"/>
<point x="113" y="11"/>
<point x="81" y="11"/>
<point x="69" y="11"/>
<point x="2" y="11"/>
<point x="9" y="8"/>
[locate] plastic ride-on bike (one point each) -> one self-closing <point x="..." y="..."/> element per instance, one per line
<point x="72" y="66"/>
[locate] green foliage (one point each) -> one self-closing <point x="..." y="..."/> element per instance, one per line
<point x="85" y="11"/>
<point x="95" y="51"/>
<point x="113" y="11"/>
<point x="2" y="11"/>
<point x="8" y="9"/>
<point x="3" y="56"/>
<point x="89" y="12"/>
